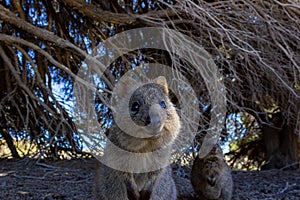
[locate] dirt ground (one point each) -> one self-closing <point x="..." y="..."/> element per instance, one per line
<point x="64" y="180"/>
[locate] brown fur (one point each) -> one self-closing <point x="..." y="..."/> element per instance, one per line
<point x="211" y="176"/>
<point x="111" y="184"/>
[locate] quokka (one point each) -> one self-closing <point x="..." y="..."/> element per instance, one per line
<point x="155" y="116"/>
<point x="211" y="176"/>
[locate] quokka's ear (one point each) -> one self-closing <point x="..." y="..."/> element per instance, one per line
<point x="125" y="85"/>
<point x="161" y="80"/>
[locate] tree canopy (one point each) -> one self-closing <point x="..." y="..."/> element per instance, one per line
<point x="255" y="45"/>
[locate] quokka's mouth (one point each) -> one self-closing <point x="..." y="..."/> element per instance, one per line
<point x="154" y="129"/>
<point x="147" y="132"/>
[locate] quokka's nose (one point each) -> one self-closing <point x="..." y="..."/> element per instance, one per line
<point x="155" y="121"/>
<point x="211" y="181"/>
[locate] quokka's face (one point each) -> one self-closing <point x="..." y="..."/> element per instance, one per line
<point x="148" y="108"/>
<point x="212" y="170"/>
<point x="213" y="166"/>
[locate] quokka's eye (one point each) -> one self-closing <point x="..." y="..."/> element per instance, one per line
<point x="135" y="106"/>
<point x="163" y="104"/>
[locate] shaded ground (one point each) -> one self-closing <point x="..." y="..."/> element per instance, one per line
<point x="26" y="179"/>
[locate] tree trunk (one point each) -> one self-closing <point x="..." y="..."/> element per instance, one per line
<point x="10" y="144"/>
<point x="280" y="144"/>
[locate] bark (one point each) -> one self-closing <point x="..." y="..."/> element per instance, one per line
<point x="280" y="144"/>
<point x="10" y="144"/>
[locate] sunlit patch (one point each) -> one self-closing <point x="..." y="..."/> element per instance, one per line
<point x="3" y="174"/>
<point x="22" y="192"/>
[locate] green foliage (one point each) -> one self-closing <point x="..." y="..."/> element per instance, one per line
<point x="245" y="142"/>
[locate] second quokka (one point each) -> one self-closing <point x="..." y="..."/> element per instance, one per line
<point x="156" y="118"/>
<point x="211" y="176"/>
